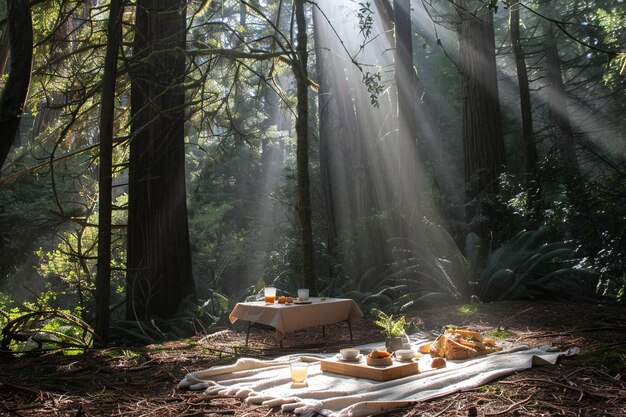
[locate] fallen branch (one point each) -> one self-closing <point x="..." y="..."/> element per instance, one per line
<point x="509" y="409"/>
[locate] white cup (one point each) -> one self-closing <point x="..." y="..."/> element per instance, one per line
<point x="303" y="294"/>
<point x="349" y="353"/>
<point x="299" y="372"/>
<point x="404" y="354"/>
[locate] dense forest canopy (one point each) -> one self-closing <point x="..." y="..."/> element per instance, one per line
<point x="164" y="159"/>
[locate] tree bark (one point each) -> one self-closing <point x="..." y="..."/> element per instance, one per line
<point x="483" y="142"/>
<point x="302" y="153"/>
<point x="533" y="183"/>
<point x="105" y="180"/>
<point x="20" y="28"/>
<point x="159" y="273"/>
<point x="326" y="105"/>
<point x="404" y="77"/>
<point x="557" y="100"/>
<point x="4" y="50"/>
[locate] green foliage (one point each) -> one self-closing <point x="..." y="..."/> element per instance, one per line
<point x="375" y="86"/>
<point x="70" y="268"/>
<point x="500" y="334"/>
<point x="612" y="357"/>
<point x="366" y="20"/>
<point x="612" y="22"/>
<point x="525" y="267"/>
<point x="391" y="326"/>
<point x="408" y="273"/>
<point x="592" y="219"/>
<point x="191" y="320"/>
<point x="40" y="327"/>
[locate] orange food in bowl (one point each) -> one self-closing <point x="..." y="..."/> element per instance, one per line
<point x="378" y="354"/>
<point x="281" y="299"/>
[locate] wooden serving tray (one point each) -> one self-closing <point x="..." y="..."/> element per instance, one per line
<point x="363" y="370"/>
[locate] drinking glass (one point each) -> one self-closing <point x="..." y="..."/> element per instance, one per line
<point x="270" y="295"/>
<point x="299" y="371"/>
<point x="303" y="294"/>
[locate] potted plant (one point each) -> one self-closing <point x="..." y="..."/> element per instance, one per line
<point x="393" y="329"/>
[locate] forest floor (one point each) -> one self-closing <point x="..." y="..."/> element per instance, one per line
<point x="143" y="381"/>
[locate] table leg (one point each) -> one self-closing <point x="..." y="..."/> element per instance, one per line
<point x="248" y="333"/>
<point x="350" y="328"/>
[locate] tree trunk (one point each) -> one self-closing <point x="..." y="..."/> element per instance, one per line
<point x="404" y="77"/>
<point x="482" y="129"/>
<point x="533" y="183"/>
<point x="302" y="153"/>
<point x="105" y="180"/>
<point x="562" y="130"/>
<point x="20" y="28"/>
<point x="326" y="105"/>
<point x="159" y="273"/>
<point x="340" y="160"/>
<point x="557" y="99"/>
<point x="4" y="50"/>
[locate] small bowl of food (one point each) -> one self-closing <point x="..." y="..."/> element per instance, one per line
<point x="378" y="358"/>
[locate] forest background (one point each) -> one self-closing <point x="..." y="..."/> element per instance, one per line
<point x="403" y="154"/>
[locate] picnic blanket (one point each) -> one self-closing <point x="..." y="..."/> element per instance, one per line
<point x="268" y="382"/>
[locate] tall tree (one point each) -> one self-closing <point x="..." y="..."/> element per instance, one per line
<point x="302" y="152"/>
<point x="105" y="179"/>
<point x="531" y="169"/>
<point x="20" y="32"/>
<point x="404" y="77"/>
<point x="342" y="161"/>
<point x="557" y="100"/>
<point x="483" y="143"/>
<point x="159" y="259"/>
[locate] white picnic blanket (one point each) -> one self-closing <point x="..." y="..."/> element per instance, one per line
<point x="268" y="382"/>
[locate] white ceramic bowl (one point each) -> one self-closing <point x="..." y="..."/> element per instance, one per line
<point x="404" y="354"/>
<point x="349" y="353"/>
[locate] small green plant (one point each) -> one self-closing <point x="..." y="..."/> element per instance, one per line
<point x="500" y="334"/>
<point x="391" y="327"/>
<point x="468" y="309"/>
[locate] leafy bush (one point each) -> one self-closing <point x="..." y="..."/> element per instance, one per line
<point x="526" y="267"/>
<point x="39" y="327"/>
<point x="191" y="320"/>
<point x="421" y="272"/>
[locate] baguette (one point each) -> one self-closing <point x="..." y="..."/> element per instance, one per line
<point x="456" y="351"/>
<point x="438" y="347"/>
<point x="468" y="334"/>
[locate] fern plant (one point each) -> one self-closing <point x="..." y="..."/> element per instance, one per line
<point x="526" y="267"/>
<point x="391" y="327"/>
<point x="430" y="271"/>
<point x="44" y="329"/>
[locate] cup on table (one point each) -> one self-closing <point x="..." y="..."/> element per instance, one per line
<point x="270" y="295"/>
<point x="299" y="371"/>
<point x="349" y="353"/>
<point x="303" y="294"/>
<point x="404" y="354"/>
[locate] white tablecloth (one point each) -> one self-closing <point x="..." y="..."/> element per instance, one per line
<point x="290" y="317"/>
